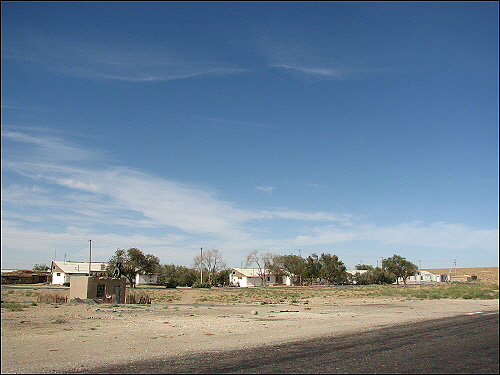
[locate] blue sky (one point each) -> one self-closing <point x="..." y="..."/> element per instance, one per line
<point x="359" y="129"/>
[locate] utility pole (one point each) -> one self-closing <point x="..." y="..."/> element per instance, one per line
<point x="455" y="267"/>
<point x="201" y="265"/>
<point x="90" y="254"/>
<point x="419" y="271"/>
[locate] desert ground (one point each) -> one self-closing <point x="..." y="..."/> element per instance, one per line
<point x="58" y="337"/>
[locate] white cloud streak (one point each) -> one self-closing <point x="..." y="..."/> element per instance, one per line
<point x="102" y="201"/>
<point x="98" y="61"/>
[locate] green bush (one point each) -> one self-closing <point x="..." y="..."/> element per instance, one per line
<point x="171" y="284"/>
<point x="12" y="306"/>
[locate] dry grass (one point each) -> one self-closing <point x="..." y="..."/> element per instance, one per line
<point x="138" y="298"/>
<point x="486" y="287"/>
<point x="52" y="297"/>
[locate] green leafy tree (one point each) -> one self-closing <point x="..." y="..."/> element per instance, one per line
<point x="133" y="261"/>
<point x="185" y="276"/>
<point x="313" y="268"/>
<point x="292" y="266"/>
<point x="41" y="267"/>
<point x="332" y="269"/>
<point x="222" y="277"/>
<point x="399" y="267"/>
<point x="168" y="275"/>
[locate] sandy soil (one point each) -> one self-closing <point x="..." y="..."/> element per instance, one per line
<point x="54" y="338"/>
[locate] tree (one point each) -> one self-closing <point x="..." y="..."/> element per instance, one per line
<point x="133" y="261"/>
<point x="41" y="267"/>
<point x="292" y="265"/>
<point x="222" y="277"/>
<point x="264" y="264"/>
<point x="332" y="269"/>
<point x="211" y="263"/>
<point x="360" y="267"/>
<point x="400" y="267"/>
<point x="185" y="276"/>
<point x="313" y="268"/>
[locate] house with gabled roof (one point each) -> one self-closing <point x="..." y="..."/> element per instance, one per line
<point x="249" y="277"/>
<point x="63" y="271"/>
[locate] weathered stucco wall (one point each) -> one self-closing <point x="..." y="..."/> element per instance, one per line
<point x="86" y="287"/>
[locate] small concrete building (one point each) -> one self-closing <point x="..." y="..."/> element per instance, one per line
<point x="105" y="288"/>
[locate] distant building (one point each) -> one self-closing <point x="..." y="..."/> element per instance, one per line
<point x="62" y="271"/>
<point x="354" y="272"/>
<point x="147" y="279"/>
<point x="426" y="277"/>
<point x="25" y="277"/>
<point x="249" y="277"/>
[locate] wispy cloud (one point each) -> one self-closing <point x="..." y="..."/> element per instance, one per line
<point x="438" y="235"/>
<point x="99" y="61"/>
<point x="265" y="189"/>
<point x="156" y="200"/>
<point x="121" y="204"/>
<point x="317" y="72"/>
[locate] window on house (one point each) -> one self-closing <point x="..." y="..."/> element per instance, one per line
<point x="58" y="274"/>
<point x="268" y="278"/>
<point x="100" y="291"/>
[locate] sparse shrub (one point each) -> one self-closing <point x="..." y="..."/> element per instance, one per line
<point x="51" y="298"/>
<point x="141" y="299"/>
<point x="12" y="306"/>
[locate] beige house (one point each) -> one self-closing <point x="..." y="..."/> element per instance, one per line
<point x="105" y="288"/>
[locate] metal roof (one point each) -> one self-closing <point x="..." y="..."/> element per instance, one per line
<point x="79" y="267"/>
<point x="248" y="272"/>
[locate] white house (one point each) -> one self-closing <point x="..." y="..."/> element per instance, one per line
<point x="248" y="277"/>
<point x="62" y="271"/>
<point x="354" y="272"/>
<point x="147" y="279"/>
<point x="426" y="277"/>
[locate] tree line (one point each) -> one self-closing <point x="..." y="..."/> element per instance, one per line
<point x="209" y="269"/>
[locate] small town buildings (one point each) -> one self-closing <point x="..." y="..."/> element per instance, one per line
<point x="354" y="272"/>
<point x="463" y="278"/>
<point x="250" y="277"/>
<point x="63" y="271"/>
<point x="426" y="277"/>
<point x="25" y="277"/>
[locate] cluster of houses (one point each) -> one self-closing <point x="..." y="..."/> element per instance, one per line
<point x="248" y="277"/>
<point x="60" y="273"/>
